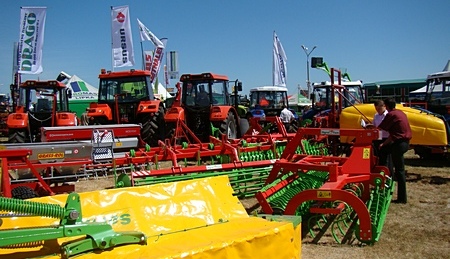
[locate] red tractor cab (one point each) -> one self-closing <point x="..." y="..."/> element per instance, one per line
<point x="206" y="107"/>
<point x="126" y="97"/>
<point x="40" y="104"/>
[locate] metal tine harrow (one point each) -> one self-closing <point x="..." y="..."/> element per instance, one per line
<point x="246" y="161"/>
<point x="349" y="196"/>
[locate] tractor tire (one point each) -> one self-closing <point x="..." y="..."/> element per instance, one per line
<point x="229" y="126"/>
<point x="18" y="136"/>
<point x="153" y="128"/>
<point x="23" y="192"/>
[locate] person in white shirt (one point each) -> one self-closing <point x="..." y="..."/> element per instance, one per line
<point x="286" y="117"/>
<point x="377" y="119"/>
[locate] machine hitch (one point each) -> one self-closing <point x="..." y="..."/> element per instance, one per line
<point x="99" y="236"/>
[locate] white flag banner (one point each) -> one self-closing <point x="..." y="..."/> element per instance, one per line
<point x="157" y="58"/>
<point x="279" y="62"/>
<point x="146" y="34"/>
<point x="31" y="41"/>
<point x="148" y="57"/>
<point x="166" y="75"/>
<point x="122" y="41"/>
<point x="172" y="64"/>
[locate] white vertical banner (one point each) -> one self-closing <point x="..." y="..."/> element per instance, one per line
<point x="148" y="58"/>
<point x="122" y="41"/>
<point x="279" y="62"/>
<point x="166" y="75"/>
<point x="158" y="53"/>
<point x="157" y="58"/>
<point x="31" y="41"/>
<point x="172" y="64"/>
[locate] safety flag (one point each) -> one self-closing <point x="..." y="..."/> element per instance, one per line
<point x="31" y="40"/>
<point x="279" y="62"/>
<point x="122" y="41"/>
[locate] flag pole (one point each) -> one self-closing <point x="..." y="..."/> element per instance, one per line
<point x="166" y="78"/>
<point x="112" y="44"/>
<point x="143" y="57"/>
<point x="273" y="59"/>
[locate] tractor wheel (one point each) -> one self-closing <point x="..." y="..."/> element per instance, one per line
<point x="23" y="192"/>
<point x="229" y="126"/>
<point x="18" y="136"/>
<point x="153" y="128"/>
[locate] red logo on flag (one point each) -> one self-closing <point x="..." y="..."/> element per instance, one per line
<point x="120" y="17"/>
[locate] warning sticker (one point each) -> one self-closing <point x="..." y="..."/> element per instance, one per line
<point x="50" y="155"/>
<point x="323" y="194"/>
<point x="366" y="153"/>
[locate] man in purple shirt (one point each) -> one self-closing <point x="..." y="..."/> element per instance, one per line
<point x="396" y="145"/>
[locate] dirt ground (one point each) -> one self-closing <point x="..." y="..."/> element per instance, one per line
<point x="418" y="229"/>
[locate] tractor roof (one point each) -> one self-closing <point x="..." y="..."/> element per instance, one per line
<point x="131" y="72"/>
<point x="203" y="76"/>
<point x="443" y="74"/>
<point x="269" y="88"/>
<point x="42" y="84"/>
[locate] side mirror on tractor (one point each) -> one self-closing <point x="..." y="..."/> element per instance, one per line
<point x="69" y="93"/>
<point x="237" y="87"/>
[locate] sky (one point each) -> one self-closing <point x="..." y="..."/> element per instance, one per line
<point x="372" y="40"/>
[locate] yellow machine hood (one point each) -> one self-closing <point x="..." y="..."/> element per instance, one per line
<point x="426" y="129"/>
<point x="188" y="219"/>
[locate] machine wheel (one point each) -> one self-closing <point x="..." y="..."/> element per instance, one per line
<point x="229" y="127"/>
<point x="18" y="136"/>
<point x="23" y="192"/>
<point x="153" y="128"/>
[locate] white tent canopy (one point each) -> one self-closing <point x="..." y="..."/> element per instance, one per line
<point x="162" y="93"/>
<point x="423" y="89"/>
<point x="81" y="90"/>
<point x="298" y="100"/>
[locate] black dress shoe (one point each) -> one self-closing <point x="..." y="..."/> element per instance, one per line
<point x="399" y="201"/>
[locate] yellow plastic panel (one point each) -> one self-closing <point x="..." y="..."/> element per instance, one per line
<point x="189" y="219"/>
<point x="426" y="129"/>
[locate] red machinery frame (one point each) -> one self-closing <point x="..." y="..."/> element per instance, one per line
<point x="13" y="159"/>
<point x="359" y="167"/>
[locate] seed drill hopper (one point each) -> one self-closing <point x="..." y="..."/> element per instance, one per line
<point x="345" y="195"/>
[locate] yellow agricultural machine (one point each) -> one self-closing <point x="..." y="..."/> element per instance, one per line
<point x="172" y="220"/>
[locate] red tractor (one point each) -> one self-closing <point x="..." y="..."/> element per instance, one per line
<point x="40" y="104"/>
<point x="126" y="97"/>
<point x="206" y="107"/>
